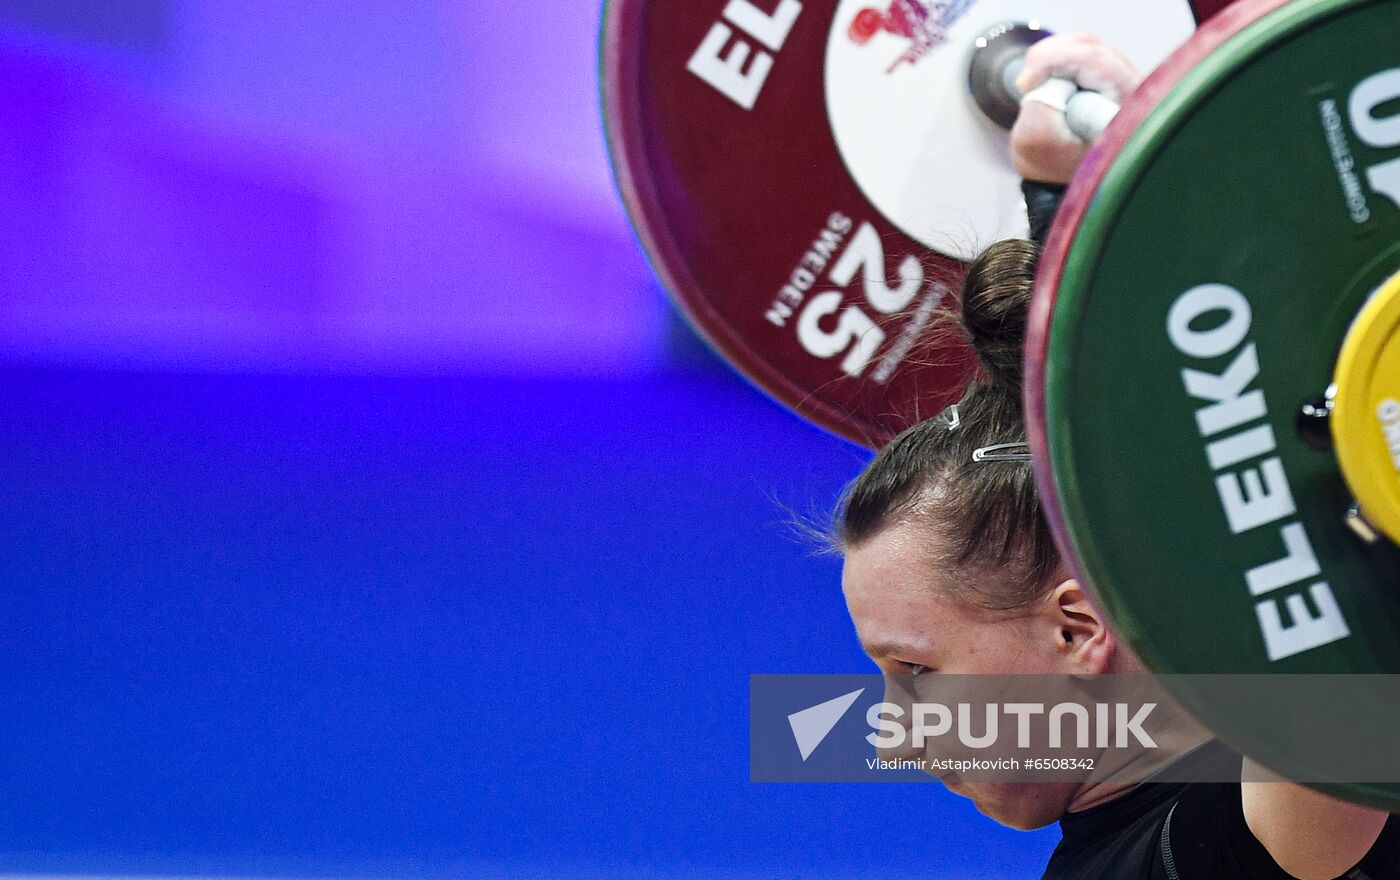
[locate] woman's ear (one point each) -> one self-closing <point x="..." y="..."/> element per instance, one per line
<point x="1083" y="638"/>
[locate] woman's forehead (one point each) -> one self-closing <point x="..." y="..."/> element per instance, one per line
<point x="892" y="591"/>
<point x="896" y="559"/>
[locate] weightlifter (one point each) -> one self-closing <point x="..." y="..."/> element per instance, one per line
<point x="950" y="568"/>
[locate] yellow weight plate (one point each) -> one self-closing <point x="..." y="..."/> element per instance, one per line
<point x="1366" y="416"/>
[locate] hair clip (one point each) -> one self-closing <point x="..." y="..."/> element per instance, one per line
<point x="1003" y="452"/>
<point x="951" y="416"/>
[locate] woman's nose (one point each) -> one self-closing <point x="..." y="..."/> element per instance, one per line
<point x="900" y="697"/>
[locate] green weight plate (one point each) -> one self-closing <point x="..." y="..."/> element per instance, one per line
<point x="1208" y="263"/>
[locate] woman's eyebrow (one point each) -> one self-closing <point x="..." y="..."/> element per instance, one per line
<point x="885" y="649"/>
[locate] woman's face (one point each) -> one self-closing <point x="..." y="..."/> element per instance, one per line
<point x="909" y="625"/>
<point x="907" y="620"/>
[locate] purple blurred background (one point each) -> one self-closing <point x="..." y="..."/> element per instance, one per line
<point x="359" y="485"/>
<point x="311" y="186"/>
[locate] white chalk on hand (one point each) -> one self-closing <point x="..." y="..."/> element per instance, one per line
<point x="1053" y="93"/>
<point x="1087" y="113"/>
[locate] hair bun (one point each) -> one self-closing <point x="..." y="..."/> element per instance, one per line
<point x="995" y="304"/>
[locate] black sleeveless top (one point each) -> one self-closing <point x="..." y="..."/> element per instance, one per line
<point x="1187" y="831"/>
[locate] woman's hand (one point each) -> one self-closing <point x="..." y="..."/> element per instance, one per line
<point x="1042" y="146"/>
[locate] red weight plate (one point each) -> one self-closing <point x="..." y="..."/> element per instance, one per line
<point x="1205" y="9"/>
<point x="807" y="177"/>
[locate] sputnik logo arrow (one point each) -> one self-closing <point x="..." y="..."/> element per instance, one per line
<point x="811" y="726"/>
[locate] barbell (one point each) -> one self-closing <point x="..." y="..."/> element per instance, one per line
<point x="1213" y="360"/>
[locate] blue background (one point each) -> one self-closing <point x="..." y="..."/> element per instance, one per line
<point x="364" y="510"/>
